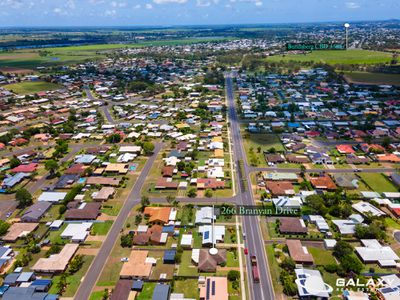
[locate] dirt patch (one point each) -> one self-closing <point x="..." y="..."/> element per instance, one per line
<point x="88" y="251"/>
<point x="13" y="56"/>
<point x="96" y="238"/>
<point x="16" y="70"/>
<point x="104" y="217"/>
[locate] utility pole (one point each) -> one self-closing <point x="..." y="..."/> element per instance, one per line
<point x="346" y="28"/>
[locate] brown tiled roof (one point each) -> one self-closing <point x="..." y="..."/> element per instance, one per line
<point x="89" y="212"/>
<point x="274" y="158"/>
<point x="122" y="289"/>
<point x="167" y="171"/>
<point x="300" y="159"/>
<point x="75" y="169"/>
<point x="296" y="252"/>
<point x="210" y="183"/>
<point x="158" y="214"/>
<point x="163" y="183"/>
<point x="280" y="188"/>
<point x="141" y="238"/>
<point x="323" y="182"/>
<point x="208" y="262"/>
<point x="291" y="225"/>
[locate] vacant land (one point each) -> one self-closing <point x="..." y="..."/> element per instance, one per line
<point x="33" y="58"/>
<point x="372" y="78"/>
<point x="338" y="57"/>
<point x="256" y="144"/>
<point x="31" y="87"/>
<point x="378" y="182"/>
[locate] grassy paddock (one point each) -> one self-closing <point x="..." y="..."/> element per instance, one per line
<point x="338" y="57"/>
<point x="31" y="87"/>
<point x="372" y="78"/>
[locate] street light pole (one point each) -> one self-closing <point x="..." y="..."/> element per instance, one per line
<point x="346" y="28"/>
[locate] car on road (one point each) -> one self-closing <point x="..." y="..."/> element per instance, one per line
<point x="246" y="251"/>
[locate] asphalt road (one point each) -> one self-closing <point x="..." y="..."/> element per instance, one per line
<point x="100" y="260"/>
<point x="297" y="170"/>
<point x="254" y="240"/>
<point x="105" y="108"/>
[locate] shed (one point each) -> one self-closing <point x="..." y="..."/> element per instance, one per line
<point x="169" y="256"/>
<point x="137" y="285"/>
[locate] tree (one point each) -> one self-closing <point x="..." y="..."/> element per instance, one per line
<point x="114" y="138"/>
<point x="76" y="263"/>
<point x="148" y="147"/>
<point x="350" y="263"/>
<point x="14" y="162"/>
<point x="288" y="264"/>
<point x="192" y="193"/>
<point x="208" y="193"/>
<point x="23" y="197"/>
<point x="170" y="199"/>
<point x="51" y="166"/>
<point x="62" y="283"/>
<point x="233" y="275"/>
<point x="317" y="204"/>
<point x="138" y="219"/>
<point x="3" y="227"/>
<point x="54" y="249"/>
<point x="127" y="240"/>
<point x="342" y="248"/>
<point x="144" y="201"/>
<point x="371" y="231"/>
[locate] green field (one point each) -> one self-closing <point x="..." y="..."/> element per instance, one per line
<point x="338" y="57"/>
<point x="372" y="78"/>
<point x="31" y="87"/>
<point x="378" y="182"/>
<point x="31" y="58"/>
<point x="265" y="141"/>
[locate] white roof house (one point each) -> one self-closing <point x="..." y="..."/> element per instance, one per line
<point x="195" y="255"/>
<point x="391" y="291"/>
<point x="56" y="224"/>
<point x="373" y="252"/>
<point x="77" y="232"/>
<point x="126" y="157"/>
<point x="211" y="235"/>
<point x="187" y="240"/>
<point x="311" y="284"/>
<point x="216" y="172"/>
<point x="346" y="226"/>
<point x="365" y="207"/>
<point x="288" y="202"/>
<point x="204" y="215"/>
<point x="130" y="149"/>
<point x="52" y="196"/>
<point x="329" y="243"/>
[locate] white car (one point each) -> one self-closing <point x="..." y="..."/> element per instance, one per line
<point x="124" y="259"/>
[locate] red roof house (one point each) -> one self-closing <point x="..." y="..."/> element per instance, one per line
<point x="29" y="168"/>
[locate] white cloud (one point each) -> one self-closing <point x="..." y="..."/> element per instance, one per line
<point x="110" y="12"/>
<point x="169" y="1"/>
<point x="352" y="5"/>
<point x="149" y="6"/>
<point x="137" y="6"/>
<point x="203" y="3"/>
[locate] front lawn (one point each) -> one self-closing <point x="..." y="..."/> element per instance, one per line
<point x="101" y="228"/>
<point x="321" y="256"/>
<point x="187" y="287"/>
<point x="378" y="182"/>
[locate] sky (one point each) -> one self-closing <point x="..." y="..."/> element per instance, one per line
<point x="189" y="12"/>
